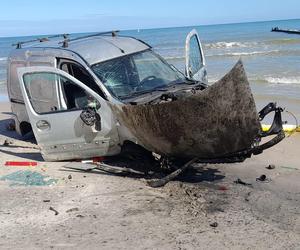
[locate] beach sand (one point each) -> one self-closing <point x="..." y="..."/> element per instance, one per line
<point x="202" y="210"/>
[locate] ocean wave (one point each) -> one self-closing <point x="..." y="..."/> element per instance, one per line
<point x="283" y="80"/>
<point x="272" y="80"/>
<point x="233" y="44"/>
<point x="252" y="53"/>
<point x="3" y="58"/>
<point x="223" y="45"/>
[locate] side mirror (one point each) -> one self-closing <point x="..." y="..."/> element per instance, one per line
<point x="93" y="103"/>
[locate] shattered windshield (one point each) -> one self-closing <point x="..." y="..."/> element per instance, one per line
<point x="136" y="74"/>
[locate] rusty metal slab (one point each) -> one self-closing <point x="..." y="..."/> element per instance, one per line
<point x="219" y="120"/>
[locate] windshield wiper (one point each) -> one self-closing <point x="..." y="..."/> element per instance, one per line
<point x="182" y="81"/>
<point x="138" y="93"/>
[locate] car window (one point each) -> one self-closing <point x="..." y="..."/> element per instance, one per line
<point x="195" y="57"/>
<point x="50" y="92"/>
<point x="81" y="74"/>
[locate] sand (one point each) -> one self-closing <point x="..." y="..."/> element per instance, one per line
<point x="205" y="209"/>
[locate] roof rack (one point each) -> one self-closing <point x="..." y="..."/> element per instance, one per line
<point x="66" y="41"/>
<point x="42" y="39"/>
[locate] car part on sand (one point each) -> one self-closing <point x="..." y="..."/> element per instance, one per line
<point x="102" y="167"/>
<point x="163" y="181"/>
<point x="218" y="122"/>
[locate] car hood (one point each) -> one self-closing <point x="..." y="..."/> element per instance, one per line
<point x="214" y="122"/>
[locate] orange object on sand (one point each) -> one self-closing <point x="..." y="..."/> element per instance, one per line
<point x="21" y="163"/>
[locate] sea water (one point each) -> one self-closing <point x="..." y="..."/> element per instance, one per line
<point x="272" y="60"/>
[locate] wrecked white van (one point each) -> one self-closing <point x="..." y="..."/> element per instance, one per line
<point x="90" y="96"/>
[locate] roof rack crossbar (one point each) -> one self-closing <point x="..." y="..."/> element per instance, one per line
<point x="41" y="39"/>
<point x="67" y="40"/>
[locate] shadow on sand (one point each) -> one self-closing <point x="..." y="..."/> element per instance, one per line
<point x="26" y="155"/>
<point x="193" y="175"/>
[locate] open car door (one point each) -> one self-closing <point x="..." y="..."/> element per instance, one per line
<point x="194" y="58"/>
<point x="68" y="119"/>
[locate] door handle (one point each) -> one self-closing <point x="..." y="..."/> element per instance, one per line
<point x="43" y="125"/>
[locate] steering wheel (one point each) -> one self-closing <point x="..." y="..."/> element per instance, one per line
<point x="147" y="79"/>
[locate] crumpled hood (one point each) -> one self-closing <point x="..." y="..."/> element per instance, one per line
<point x="219" y="120"/>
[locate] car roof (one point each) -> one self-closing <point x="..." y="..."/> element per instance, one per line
<point x="97" y="49"/>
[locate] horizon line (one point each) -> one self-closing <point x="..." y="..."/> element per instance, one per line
<point x="152" y="28"/>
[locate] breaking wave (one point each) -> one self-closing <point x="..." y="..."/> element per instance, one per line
<point x="3" y="58"/>
<point x="283" y="80"/>
<point x="222" y="45"/>
<point x="272" y="80"/>
<point x="252" y="53"/>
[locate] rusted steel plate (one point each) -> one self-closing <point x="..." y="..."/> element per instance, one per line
<point x="219" y="120"/>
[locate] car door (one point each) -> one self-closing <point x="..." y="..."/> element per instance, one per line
<point x="194" y="58"/>
<point x="54" y="102"/>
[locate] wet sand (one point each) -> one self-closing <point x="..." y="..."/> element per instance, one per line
<point x="204" y="209"/>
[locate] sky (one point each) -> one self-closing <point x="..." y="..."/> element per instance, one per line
<point x="37" y="17"/>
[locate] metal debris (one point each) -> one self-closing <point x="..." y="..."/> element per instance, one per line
<point x="214" y="224"/>
<point x="54" y="210"/>
<point x="270" y="167"/>
<point x="239" y="181"/>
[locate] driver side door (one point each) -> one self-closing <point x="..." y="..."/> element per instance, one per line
<point x="54" y="102"/>
<point x="194" y="58"/>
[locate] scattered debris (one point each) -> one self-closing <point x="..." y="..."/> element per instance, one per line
<point x="54" y="210"/>
<point x="28" y="178"/>
<point x="263" y="178"/>
<point x="46" y="200"/>
<point x="94" y="160"/>
<point x="247" y="196"/>
<point x="74" y="209"/>
<point x="239" y="181"/>
<point x="21" y="163"/>
<point x="102" y="167"/>
<point x="79" y="216"/>
<point x="214" y="224"/>
<point x="163" y="181"/>
<point x="70" y="177"/>
<point x="270" y="167"/>
<point x="7" y="142"/>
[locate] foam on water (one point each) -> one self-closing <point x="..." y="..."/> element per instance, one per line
<point x="235" y="44"/>
<point x="251" y="53"/>
<point x="222" y="45"/>
<point x="283" y="80"/>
